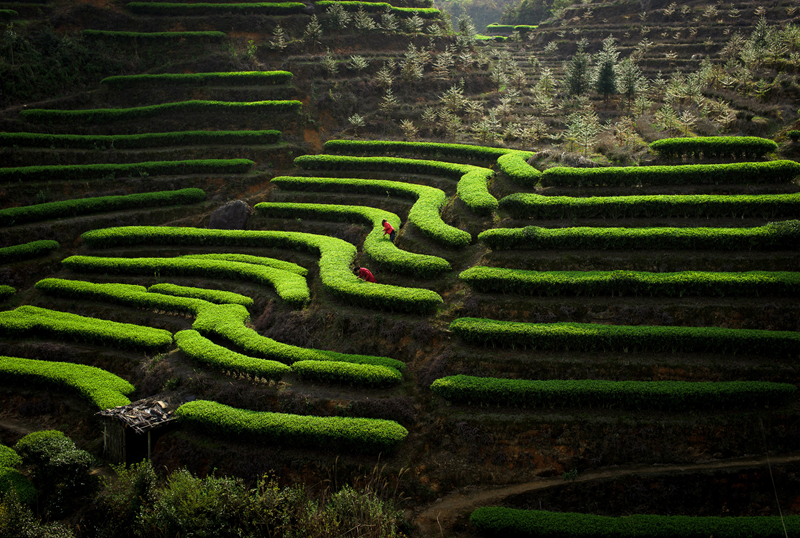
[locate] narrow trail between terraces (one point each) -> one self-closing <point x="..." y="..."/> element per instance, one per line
<point x="444" y="513"/>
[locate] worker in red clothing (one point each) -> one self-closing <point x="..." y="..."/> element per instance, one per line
<point x="364" y="274"/>
<point x="389" y="229"/>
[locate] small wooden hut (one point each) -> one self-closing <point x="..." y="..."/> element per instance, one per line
<point x="130" y="431"/>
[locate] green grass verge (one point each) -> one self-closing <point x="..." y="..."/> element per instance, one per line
<point x="99" y="116"/>
<point x="351" y="434"/>
<point x="379" y="248"/>
<point x="626" y="338"/>
<point x="101" y="388"/>
<point x="101" y="204"/>
<point x="670" y="396"/>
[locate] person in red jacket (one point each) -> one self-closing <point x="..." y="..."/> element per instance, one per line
<point x="364" y="274"/>
<point x="389" y="229"/>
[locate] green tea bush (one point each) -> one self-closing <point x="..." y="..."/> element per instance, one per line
<point x="6" y="292"/>
<point x="227" y="322"/>
<point x="236" y="78"/>
<point x="111" y="171"/>
<point x="101" y="204"/>
<point x="184" y="10"/>
<point x="631" y="176"/>
<point x="774" y="236"/>
<point x="335" y="254"/>
<point x="212" y="36"/>
<point x="139" y="141"/>
<point x="524" y="205"/>
<point x="256" y="260"/>
<point x="424" y="214"/>
<point x="718" y="147"/>
<point x="26" y="251"/>
<point x="122" y="294"/>
<point x="497" y="521"/>
<point x="347" y="372"/>
<point x="379" y="248"/>
<point x="13" y="480"/>
<point x="352" y="434"/>
<point x="626" y="338"/>
<point x="99" y="116"/>
<point x="636" y="283"/>
<point x="472" y="185"/>
<point x="9" y="457"/>
<point x="31" y="320"/>
<point x="794" y="135"/>
<point x="289" y="286"/>
<point x="663" y="395"/>
<point x="515" y="166"/>
<point x="196" y="346"/>
<point x="212" y="296"/>
<point x="429" y="149"/>
<point x="101" y="388"/>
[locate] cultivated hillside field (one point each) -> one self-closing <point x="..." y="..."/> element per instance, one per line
<point x="586" y="324"/>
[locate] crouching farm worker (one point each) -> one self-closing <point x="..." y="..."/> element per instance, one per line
<point x="364" y="274"/>
<point x="388" y="229"/>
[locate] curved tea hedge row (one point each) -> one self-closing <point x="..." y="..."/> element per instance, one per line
<point x="200" y="348"/>
<point x="111" y="171"/>
<point x="501" y="522"/>
<point x="235" y="78"/>
<point x="592" y="283"/>
<point x="26" y="251"/>
<point x="110" y="115"/>
<point x="730" y="147"/>
<point x="347" y="372"/>
<point x="211" y="296"/>
<point x="380" y="7"/>
<point x="429" y="149"/>
<point x="212" y="36"/>
<point x="228" y="322"/>
<point x="100" y="204"/>
<point x="255" y="260"/>
<point x="6" y="292"/>
<point x="751" y="172"/>
<point x="626" y="338"/>
<point x="663" y="395"/>
<point x="774" y="236"/>
<point x="472" y="185"/>
<point x="188" y="10"/>
<point x="336" y="256"/>
<point x="102" y="388"/>
<point x="515" y="166"/>
<point x="290" y="287"/>
<point x="356" y="434"/>
<point x="122" y="294"/>
<point x="525" y="205"/>
<point x="31" y="320"/>
<point x="139" y="141"/>
<point x="424" y="214"/>
<point x="379" y="248"/>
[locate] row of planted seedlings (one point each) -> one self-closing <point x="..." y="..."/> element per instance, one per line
<point x="565" y="339"/>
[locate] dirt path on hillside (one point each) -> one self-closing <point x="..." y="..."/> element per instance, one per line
<point x="443" y="514"/>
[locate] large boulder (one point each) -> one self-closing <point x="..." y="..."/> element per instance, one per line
<point x="231" y="216"/>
